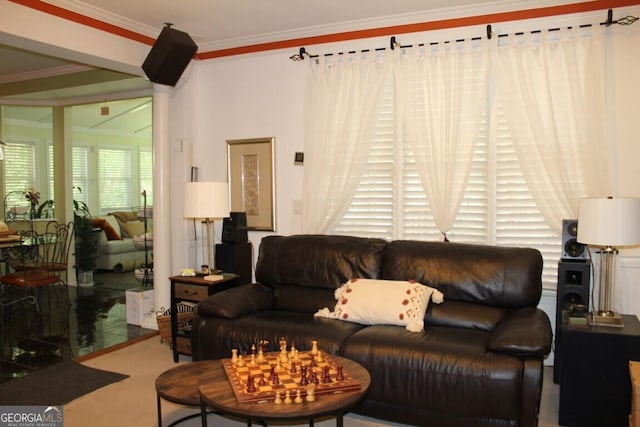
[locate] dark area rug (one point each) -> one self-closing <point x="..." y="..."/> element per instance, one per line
<point x="56" y="384"/>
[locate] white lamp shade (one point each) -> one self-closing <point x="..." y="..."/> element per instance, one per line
<point x="206" y="200"/>
<point x="611" y="222"/>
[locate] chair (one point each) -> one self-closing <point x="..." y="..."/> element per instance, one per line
<point x="31" y="267"/>
<point x="58" y="237"/>
<point x="37" y="265"/>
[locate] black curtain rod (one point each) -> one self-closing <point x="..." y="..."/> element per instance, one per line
<point x="393" y="42"/>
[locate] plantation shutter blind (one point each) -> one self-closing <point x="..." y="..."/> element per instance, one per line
<point x="50" y="172"/>
<point x="19" y="166"/>
<point x="146" y="174"/>
<point x="518" y="220"/>
<point x="371" y="210"/>
<point x="80" y="173"/>
<point x="114" y="166"/>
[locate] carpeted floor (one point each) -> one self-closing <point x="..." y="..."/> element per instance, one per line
<point x="56" y="385"/>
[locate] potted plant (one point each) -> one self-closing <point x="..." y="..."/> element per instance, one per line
<point x="86" y="243"/>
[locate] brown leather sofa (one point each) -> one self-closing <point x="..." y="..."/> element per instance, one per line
<point x="478" y="361"/>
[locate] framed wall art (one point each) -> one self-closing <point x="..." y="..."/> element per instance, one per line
<point x="252" y="181"/>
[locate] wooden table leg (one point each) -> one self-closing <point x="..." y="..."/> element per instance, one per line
<point x="339" y="420"/>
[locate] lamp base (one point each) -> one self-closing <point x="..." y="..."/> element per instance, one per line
<point x="605" y="318"/>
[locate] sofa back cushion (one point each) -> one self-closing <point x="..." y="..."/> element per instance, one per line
<point x="494" y="276"/>
<point x="289" y="263"/>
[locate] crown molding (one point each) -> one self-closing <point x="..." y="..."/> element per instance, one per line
<point x="489" y="7"/>
<point x="105" y="16"/>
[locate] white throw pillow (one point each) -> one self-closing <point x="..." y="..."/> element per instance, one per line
<point x="383" y="302"/>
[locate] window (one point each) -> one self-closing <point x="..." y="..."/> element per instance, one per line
<point x="114" y="171"/>
<point x="80" y="173"/>
<point x="146" y="174"/>
<point x="497" y="207"/>
<point x="19" y="175"/>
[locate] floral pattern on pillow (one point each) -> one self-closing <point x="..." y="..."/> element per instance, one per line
<point x="383" y="302"/>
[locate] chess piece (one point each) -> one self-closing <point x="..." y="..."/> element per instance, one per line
<point x="314" y="347"/>
<point x="311" y="393"/>
<point x="319" y="358"/>
<point x="326" y="376"/>
<point x="340" y="374"/>
<point x="278" y="399"/>
<point x="292" y="353"/>
<point x="284" y="357"/>
<point x="261" y="357"/>
<point x="251" y="386"/>
<point x="234" y="356"/>
<point x="240" y="361"/>
<point x="287" y="397"/>
<point x="298" y="398"/>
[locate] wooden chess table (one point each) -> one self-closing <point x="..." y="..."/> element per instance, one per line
<point x="217" y="393"/>
<point x="180" y="385"/>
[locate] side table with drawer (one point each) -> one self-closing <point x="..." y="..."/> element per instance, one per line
<point x="192" y="289"/>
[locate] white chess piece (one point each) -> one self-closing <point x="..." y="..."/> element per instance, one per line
<point x="311" y="392"/>
<point x="314" y="347"/>
<point x="234" y="356"/>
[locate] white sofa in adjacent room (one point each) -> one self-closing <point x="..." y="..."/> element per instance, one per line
<point x="121" y="242"/>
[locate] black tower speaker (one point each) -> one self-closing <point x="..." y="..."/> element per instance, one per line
<point x="572" y="297"/>
<point x="235" y="258"/>
<point x="169" y="56"/>
<point x="571" y="249"/>
<point x="234" y="228"/>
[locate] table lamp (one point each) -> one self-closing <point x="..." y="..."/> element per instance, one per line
<point x="208" y="201"/>
<point x="608" y="223"/>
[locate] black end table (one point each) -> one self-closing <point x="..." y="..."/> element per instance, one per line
<point x="595" y="387"/>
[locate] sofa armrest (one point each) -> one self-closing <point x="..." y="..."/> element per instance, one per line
<point x="525" y="332"/>
<point x="237" y="302"/>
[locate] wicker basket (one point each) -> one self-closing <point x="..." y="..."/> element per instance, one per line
<point x="163" y="317"/>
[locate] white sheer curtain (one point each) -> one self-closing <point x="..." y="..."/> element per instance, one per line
<point x="342" y="102"/>
<point x="443" y="100"/>
<point x="552" y="88"/>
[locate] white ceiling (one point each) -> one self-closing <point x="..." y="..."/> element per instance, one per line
<point x="219" y="24"/>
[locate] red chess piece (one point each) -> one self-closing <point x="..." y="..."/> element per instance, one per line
<point x="339" y="374"/>
<point x="326" y="376"/>
<point x="251" y="386"/>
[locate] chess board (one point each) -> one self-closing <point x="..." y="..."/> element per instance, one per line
<point x="239" y="377"/>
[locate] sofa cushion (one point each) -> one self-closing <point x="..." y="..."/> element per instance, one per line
<point x="319" y="261"/>
<point x="132" y="228"/>
<point x="447" y="370"/>
<point x="111" y="232"/>
<point x="383" y="302"/>
<point x="490" y="275"/>
<point x="298" y="329"/>
<point x="118" y="246"/>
